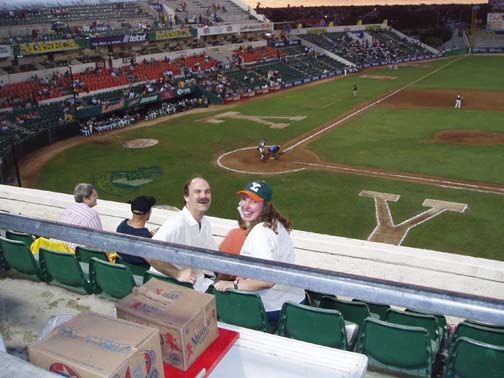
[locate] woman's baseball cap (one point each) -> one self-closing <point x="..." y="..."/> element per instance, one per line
<point x="258" y="190"/>
<point x="142" y="204"/>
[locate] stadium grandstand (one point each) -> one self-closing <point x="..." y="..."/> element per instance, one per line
<point x="72" y="68"/>
<point x="66" y="66"/>
<point x="490" y="39"/>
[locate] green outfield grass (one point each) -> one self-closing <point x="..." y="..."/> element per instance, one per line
<point x="403" y="139"/>
<point x="321" y="201"/>
<point x="470" y="72"/>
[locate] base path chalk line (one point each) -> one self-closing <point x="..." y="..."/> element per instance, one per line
<point x="437" y="181"/>
<point x="366" y="108"/>
<point x="220" y="164"/>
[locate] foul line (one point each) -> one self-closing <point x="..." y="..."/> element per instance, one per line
<point x="439" y="182"/>
<point x="368" y="106"/>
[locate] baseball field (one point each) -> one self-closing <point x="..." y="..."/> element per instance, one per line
<point x="395" y="164"/>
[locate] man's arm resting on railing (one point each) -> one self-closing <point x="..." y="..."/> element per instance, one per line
<point x="182" y="275"/>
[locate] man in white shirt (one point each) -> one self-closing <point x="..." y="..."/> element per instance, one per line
<point x="189" y="227"/>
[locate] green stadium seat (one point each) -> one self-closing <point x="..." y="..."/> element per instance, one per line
<point x="115" y="280"/>
<point x="314" y="297"/>
<point x="314" y="325"/>
<point x="483" y="324"/>
<point x="396" y="347"/>
<point x="479" y="333"/>
<point x="376" y="308"/>
<point x="64" y="269"/>
<point x="19" y="258"/>
<point x="242" y="308"/>
<point x="20" y="236"/>
<point x="352" y="311"/>
<point x="441" y="319"/>
<point x="428" y="322"/>
<point x="473" y="359"/>
<point x="85" y="254"/>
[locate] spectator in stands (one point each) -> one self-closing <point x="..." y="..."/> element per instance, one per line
<point x="141" y="209"/>
<point x="81" y="213"/>
<point x="189" y="227"/>
<point x="268" y="238"/>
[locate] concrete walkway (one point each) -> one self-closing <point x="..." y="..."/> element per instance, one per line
<point x="27" y="306"/>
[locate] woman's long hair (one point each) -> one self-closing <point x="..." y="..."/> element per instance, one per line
<point x="271" y="217"/>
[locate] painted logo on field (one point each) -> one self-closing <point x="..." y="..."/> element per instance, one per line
<point x="134" y="178"/>
<point x="386" y="231"/>
<point x="271" y="121"/>
<point x="131" y="179"/>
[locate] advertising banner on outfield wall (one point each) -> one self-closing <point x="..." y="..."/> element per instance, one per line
<point x="216" y="30"/>
<point x="255" y="27"/>
<point x="488" y="50"/>
<point x="117" y="39"/>
<point x="292" y="42"/>
<point x="172" y="34"/>
<point x="5" y="51"/>
<point x="495" y="21"/>
<point x="47" y="46"/>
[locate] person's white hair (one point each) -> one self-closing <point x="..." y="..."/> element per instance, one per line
<point x="83" y="190"/>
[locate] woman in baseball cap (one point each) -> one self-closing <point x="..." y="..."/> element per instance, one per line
<point x="268" y="238"/>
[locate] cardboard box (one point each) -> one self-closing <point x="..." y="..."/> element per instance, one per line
<point x="186" y="319"/>
<point x="92" y="345"/>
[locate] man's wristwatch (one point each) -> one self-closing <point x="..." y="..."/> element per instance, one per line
<point x="235" y="284"/>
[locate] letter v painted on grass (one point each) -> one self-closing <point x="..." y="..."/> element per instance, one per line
<point x="387" y="232"/>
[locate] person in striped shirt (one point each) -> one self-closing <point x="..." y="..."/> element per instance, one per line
<point x="81" y="213"/>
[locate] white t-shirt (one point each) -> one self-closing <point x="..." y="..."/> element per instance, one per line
<point x="263" y="243"/>
<point x="182" y="228"/>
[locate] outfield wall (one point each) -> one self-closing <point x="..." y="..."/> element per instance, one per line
<point x="401" y="264"/>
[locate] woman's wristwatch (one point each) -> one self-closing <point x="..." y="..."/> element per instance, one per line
<point x="235" y="284"/>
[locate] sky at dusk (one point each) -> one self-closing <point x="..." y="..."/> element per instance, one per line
<point x="310" y="3"/>
<point x="7" y="4"/>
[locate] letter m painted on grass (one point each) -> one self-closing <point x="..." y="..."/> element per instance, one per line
<point x="387" y="232"/>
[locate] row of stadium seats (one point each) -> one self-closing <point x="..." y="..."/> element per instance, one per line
<point x="99" y="11"/>
<point x="402" y="341"/>
<point x="384" y="46"/>
<point x="257" y="54"/>
<point x="417" y="343"/>
<point x="297" y="68"/>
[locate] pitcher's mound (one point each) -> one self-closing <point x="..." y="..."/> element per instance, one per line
<point x="140" y="143"/>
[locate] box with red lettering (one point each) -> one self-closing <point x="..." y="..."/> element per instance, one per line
<point x="186" y="319"/>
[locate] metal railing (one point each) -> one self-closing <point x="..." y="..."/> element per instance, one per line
<point x="432" y="300"/>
